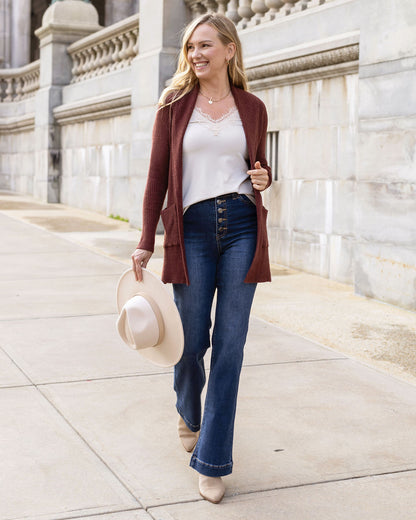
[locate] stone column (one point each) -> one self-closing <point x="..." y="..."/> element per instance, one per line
<point x="385" y="214"/>
<point x="20" y="33"/>
<point x="64" y="22"/>
<point x="5" y="16"/>
<point x="116" y="11"/>
<point x="161" y="23"/>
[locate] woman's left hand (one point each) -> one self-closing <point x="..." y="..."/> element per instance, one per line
<point x="259" y="177"/>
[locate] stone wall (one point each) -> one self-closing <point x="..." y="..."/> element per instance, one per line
<point x="17" y="145"/>
<point x="95" y="165"/>
<point x="385" y="216"/>
<point x="311" y="222"/>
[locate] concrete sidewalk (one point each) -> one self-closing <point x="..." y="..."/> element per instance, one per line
<point x="88" y="429"/>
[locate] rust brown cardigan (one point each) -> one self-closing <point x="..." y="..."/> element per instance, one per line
<point x="165" y="173"/>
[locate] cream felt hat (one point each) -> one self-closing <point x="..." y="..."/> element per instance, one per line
<point x="148" y="319"/>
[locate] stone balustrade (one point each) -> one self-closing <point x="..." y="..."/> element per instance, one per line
<point x="110" y="49"/>
<point x="246" y="13"/>
<point x="18" y="84"/>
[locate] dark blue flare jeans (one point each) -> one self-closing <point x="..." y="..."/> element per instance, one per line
<point x="220" y="240"/>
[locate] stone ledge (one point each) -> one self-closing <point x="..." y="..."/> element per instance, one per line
<point x="328" y="63"/>
<point x="304" y="76"/>
<point x="17" y="124"/>
<point x="100" y="107"/>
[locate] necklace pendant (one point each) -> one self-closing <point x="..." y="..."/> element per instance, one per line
<point x="210" y="101"/>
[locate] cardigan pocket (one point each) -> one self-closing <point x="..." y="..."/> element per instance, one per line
<point x="170" y="223"/>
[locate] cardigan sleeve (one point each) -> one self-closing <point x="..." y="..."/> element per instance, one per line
<point x="157" y="178"/>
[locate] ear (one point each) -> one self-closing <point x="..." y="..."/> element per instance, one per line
<point x="231" y="48"/>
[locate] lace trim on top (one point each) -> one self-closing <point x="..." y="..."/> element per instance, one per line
<point x="232" y="110"/>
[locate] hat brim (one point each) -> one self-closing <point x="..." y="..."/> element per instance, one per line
<point x="170" y="349"/>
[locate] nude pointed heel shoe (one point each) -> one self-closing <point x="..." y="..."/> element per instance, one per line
<point x="187" y="437"/>
<point x="211" y="488"/>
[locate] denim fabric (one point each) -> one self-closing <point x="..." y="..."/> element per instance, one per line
<point x="220" y="240"/>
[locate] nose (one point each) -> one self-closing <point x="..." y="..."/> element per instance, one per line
<point x="195" y="53"/>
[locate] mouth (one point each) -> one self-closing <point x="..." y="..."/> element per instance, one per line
<point x="201" y="65"/>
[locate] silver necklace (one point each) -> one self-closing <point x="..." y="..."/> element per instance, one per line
<point x="210" y="100"/>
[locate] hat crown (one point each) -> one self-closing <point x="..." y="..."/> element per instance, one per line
<point x="140" y="323"/>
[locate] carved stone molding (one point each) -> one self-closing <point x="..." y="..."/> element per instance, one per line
<point x="21" y="124"/>
<point x="101" y="107"/>
<point x="311" y="62"/>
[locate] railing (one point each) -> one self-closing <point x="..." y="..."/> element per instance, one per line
<point x="246" y="13"/>
<point x="17" y="84"/>
<point x="112" y="48"/>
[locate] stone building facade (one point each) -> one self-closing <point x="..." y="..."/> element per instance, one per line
<point x="20" y="19"/>
<point x="337" y="78"/>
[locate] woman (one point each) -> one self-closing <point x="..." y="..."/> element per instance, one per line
<point x="208" y="153"/>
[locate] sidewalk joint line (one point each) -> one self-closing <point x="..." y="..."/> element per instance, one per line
<point x="104" y="378"/>
<point x="63" y="277"/>
<point x="58" y="316"/>
<point x="30" y="383"/>
<point x="329" y="481"/>
<point x="295" y="362"/>
<point x="99" y="457"/>
<point x="90" y="515"/>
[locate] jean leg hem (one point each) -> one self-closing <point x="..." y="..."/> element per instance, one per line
<point x="211" y="470"/>
<point x="190" y="426"/>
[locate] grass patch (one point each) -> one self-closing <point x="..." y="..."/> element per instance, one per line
<point x="117" y="217"/>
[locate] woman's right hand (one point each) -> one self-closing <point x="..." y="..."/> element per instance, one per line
<point x="140" y="257"/>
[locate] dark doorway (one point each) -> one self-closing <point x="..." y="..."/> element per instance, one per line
<point x="37" y="10"/>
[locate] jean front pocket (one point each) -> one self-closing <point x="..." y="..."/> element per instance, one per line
<point x="246" y="200"/>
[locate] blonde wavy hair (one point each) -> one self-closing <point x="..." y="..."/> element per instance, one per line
<point x="184" y="79"/>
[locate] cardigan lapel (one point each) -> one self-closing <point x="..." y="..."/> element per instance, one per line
<point x="181" y="116"/>
<point x="246" y="120"/>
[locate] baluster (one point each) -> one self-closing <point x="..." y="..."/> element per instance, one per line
<point x="260" y="9"/>
<point x="26" y="79"/>
<point x="232" y="12"/>
<point x="108" y="51"/>
<point x="222" y="6"/>
<point x="83" y="68"/>
<point x="300" y="6"/>
<point x="245" y="12"/>
<point x="27" y="85"/>
<point x="75" y="66"/>
<point x="18" y="89"/>
<point x="35" y="84"/>
<point x="196" y="8"/>
<point x="289" y="5"/>
<point x="90" y="62"/>
<point x="210" y="5"/>
<point x="116" y="54"/>
<point x="95" y="65"/>
<point x="136" y="44"/>
<point x="124" y="47"/>
<point x="9" y="89"/>
<point x="274" y="6"/>
<point x="130" y="47"/>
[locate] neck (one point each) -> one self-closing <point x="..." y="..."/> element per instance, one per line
<point x="215" y="88"/>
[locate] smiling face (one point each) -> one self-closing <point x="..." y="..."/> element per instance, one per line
<point x="207" y="54"/>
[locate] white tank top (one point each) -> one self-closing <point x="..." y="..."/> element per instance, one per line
<point x="214" y="157"/>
